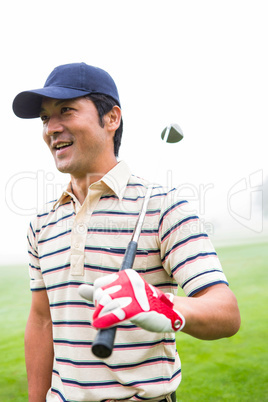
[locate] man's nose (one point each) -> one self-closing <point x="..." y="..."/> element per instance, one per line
<point x="53" y="126"/>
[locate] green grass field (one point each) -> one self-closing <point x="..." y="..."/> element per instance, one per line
<point x="234" y="369"/>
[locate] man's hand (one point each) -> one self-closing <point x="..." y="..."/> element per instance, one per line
<point x="127" y="296"/>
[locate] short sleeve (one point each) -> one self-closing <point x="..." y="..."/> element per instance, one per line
<point x="187" y="253"/>
<point x="37" y="281"/>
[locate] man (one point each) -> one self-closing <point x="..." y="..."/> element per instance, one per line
<point x="81" y="239"/>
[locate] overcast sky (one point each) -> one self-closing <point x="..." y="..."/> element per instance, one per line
<point x="200" y="64"/>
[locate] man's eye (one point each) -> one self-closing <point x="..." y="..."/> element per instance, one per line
<point x="44" y="117"/>
<point x="65" y="109"/>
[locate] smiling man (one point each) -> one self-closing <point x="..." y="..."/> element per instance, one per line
<point x="79" y="144"/>
<point x="81" y="239"/>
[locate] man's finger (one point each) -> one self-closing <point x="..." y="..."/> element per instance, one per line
<point x="86" y="291"/>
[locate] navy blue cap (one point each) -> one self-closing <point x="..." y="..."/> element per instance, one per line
<point x="68" y="81"/>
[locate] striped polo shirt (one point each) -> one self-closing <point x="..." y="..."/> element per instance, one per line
<point x="71" y="244"/>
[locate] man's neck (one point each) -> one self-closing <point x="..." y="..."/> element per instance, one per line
<point x="80" y="185"/>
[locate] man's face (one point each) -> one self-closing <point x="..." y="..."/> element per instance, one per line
<point x="72" y="131"/>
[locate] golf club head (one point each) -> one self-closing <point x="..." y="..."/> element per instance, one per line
<point x="172" y="134"/>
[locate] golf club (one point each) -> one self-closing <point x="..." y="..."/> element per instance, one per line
<point x="103" y="344"/>
<point x="173" y="133"/>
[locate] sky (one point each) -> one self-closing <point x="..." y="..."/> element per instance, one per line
<point x="200" y="64"/>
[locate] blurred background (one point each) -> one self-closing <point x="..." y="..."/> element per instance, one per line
<point x="202" y="65"/>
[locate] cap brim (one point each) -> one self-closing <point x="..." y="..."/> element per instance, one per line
<point x="27" y="104"/>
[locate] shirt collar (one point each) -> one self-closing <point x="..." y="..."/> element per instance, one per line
<point x="116" y="179"/>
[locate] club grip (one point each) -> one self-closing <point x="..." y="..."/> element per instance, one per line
<point x="129" y="256"/>
<point x="104" y="342"/>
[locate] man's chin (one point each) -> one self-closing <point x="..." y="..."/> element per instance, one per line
<point x="63" y="168"/>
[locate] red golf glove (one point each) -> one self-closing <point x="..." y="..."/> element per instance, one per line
<point x="127" y="296"/>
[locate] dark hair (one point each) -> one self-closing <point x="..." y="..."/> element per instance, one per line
<point x="104" y="104"/>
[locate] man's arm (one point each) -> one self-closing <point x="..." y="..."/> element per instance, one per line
<point x="211" y="314"/>
<point x="39" y="347"/>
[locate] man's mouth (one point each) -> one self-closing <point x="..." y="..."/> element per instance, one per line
<point x="63" y="145"/>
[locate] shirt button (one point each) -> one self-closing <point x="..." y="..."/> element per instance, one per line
<point x="76" y="245"/>
<point x="81" y="228"/>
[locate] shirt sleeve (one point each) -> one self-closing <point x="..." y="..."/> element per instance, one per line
<point x="37" y="281"/>
<point x="187" y="253"/>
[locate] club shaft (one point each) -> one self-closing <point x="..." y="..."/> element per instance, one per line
<point x="102" y="346"/>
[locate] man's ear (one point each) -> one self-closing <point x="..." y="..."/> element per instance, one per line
<point x="112" y="119"/>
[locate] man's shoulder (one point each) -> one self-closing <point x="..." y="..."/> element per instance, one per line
<point x="138" y="181"/>
<point x="158" y="189"/>
<point x="46" y="212"/>
<point x="165" y="198"/>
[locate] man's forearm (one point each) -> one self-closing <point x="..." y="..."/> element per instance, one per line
<point x="212" y="314"/>
<point x="39" y="358"/>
